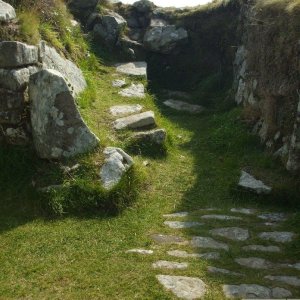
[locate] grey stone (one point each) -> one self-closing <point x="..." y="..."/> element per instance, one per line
<point x="14" y="80"/>
<point x="168" y="239"/>
<point x="180" y="225"/>
<point x="16" y="136"/>
<point x="137" y="68"/>
<point x="156" y="136"/>
<point x="261" y="248"/>
<point x="280" y="293"/>
<point x="134" y="91"/>
<point x="222" y="271"/>
<point x="181" y="214"/>
<point x="296" y="266"/>
<point x="248" y="182"/>
<point x="7" y="12"/>
<point x="71" y="169"/>
<point x="254" y="263"/>
<point x="124" y="110"/>
<point x="143" y="6"/>
<point x="232" y="233"/>
<point x="184" y="254"/>
<point x="158" y="22"/>
<point x="277" y="236"/>
<point x="163" y="39"/>
<point x="207" y="242"/>
<point x="140" y="251"/>
<point x="183" y="287"/>
<point x="16" y="54"/>
<point x="184" y="106"/>
<point x="135" y="121"/>
<point x="116" y="163"/>
<point x="177" y="94"/>
<point x="57" y="127"/>
<point x="220" y="217"/>
<point x="118" y="83"/>
<point x="273" y="217"/>
<point x="245" y="211"/>
<point x="290" y="280"/>
<point x="164" y="264"/>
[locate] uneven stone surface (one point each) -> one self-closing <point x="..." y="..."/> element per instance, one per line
<point x="155" y="136"/>
<point x="118" y="83"/>
<point x="180" y="225"/>
<point x="222" y="271"/>
<point x="290" y="280"/>
<point x="137" y="68"/>
<point x="248" y="182"/>
<point x="181" y="214"/>
<point x="123" y="110"/>
<point x="254" y="291"/>
<point x="117" y="162"/>
<point x="7" y="12"/>
<point x="16" y="136"/>
<point x="168" y="239"/>
<point x="184" y="254"/>
<point x="184" y="106"/>
<point x="296" y="266"/>
<point x="277" y="236"/>
<point x="134" y="90"/>
<point x="57" y="127"/>
<point x="14" y="80"/>
<point x="16" y="54"/>
<point x="140" y="251"/>
<point x="164" y="264"/>
<point x="245" y="211"/>
<point x="207" y="242"/>
<point x="273" y="217"/>
<point x="183" y="287"/>
<point x="135" y="121"/>
<point x="220" y="217"/>
<point x="254" y="263"/>
<point x="232" y="233"/>
<point x="261" y="248"/>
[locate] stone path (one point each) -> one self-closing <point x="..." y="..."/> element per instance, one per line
<point x="136" y="68"/>
<point x="184" y="106"/>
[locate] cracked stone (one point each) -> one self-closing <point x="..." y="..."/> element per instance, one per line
<point x="163" y="264"/>
<point x="232" y="233"/>
<point x="222" y="271"/>
<point x="180" y="225"/>
<point x="290" y="280"/>
<point x="277" y="236"/>
<point x="168" y="239"/>
<point x="261" y="248"/>
<point x="207" y="242"/>
<point x="220" y="217"/>
<point x="140" y="251"/>
<point x="184" y="254"/>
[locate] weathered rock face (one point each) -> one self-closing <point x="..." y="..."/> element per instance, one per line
<point x="82" y="8"/>
<point x="144" y="6"/>
<point x="7" y="12"/>
<point x="57" y="127"/>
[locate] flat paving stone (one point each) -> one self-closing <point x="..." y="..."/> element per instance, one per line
<point x="232" y="233"/>
<point x="183" y="106"/>
<point x="277" y="236"/>
<point x="261" y="248"/>
<point x="220" y="217"/>
<point x="181" y="214"/>
<point x="290" y="280"/>
<point x="164" y="264"/>
<point x="254" y="291"/>
<point x="183" y="287"/>
<point x="136" y="68"/>
<point x="123" y="110"/>
<point x="140" y="251"/>
<point x="207" y="242"/>
<point x="245" y="211"/>
<point x="134" y="91"/>
<point x="273" y="217"/>
<point x="168" y="239"/>
<point x="181" y="225"/>
<point x="118" y="83"/>
<point x="254" y="263"/>
<point x="222" y="271"/>
<point x="135" y="121"/>
<point x="184" y="254"/>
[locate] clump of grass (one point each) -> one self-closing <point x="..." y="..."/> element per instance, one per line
<point x="29" y="26"/>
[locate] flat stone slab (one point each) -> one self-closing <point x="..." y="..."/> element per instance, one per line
<point x="164" y="264"/>
<point x="7" y="12"/>
<point x="290" y="280"/>
<point x="232" y="233"/>
<point x="207" y="242"/>
<point x="124" y="110"/>
<point x="184" y="254"/>
<point x="180" y="225"/>
<point x="254" y="263"/>
<point x="273" y="217"/>
<point x="248" y="182"/>
<point x="168" y="239"/>
<point x="245" y="211"/>
<point x="261" y="248"/>
<point x="137" y="68"/>
<point x="277" y="236"/>
<point x="140" y="251"/>
<point x="134" y="91"/>
<point x="254" y="291"/>
<point x="118" y="83"/>
<point x="220" y="217"/>
<point x="156" y="136"/>
<point x="222" y="271"/>
<point x="183" y="106"/>
<point x="183" y="287"/>
<point x="181" y="214"/>
<point x="135" y="121"/>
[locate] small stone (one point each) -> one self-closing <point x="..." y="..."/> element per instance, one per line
<point x="180" y="225"/>
<point x="137" y="68"/>
<point x="273" y="217"/>
<point x="140" y="251"/>
<point x="123" y="110"/>
<point x="163" y="264"/>
<point x="290" y="280"/>
<point x="222" y="271"/>
<point x="118" y="83"/>
<point x="220" y="217"/>
<point x="184" y="254"/>
<point x="182" y="214"/>
<point x="7" y="12"/>
<point x="254" y="263"/>
<point x="135" y="121"/>
<point x="261" y="248"/>
<point x="169" y="239"/>
<point x="232" y="233"/>
<point x="207" y="242"/>
<point x="183" y="287"/>
<point x="248" y="182"/>
<point x="134" y="90"/>
<point x="184" y="106"/>
<point x="245" y="211"/>
<point x="277" y="236"/>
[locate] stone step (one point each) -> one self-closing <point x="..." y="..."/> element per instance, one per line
<point x="156" y="136"/>
<point x="232" y="233"/>
<point x="134" y="91"/>
<point x="277" y="236"/>
<point x="168" y="239"/>
<point x="184" y="254"/>
<point x="135" y="121"/>
<point x="125" y="110"/>
<point x="118" y="83"/>
<point x="183" y="106"/>
<point x="180" y="225"/>
<point x="222" y="271"/>
<point x="207" y="242"/>
<point x="181" y="214"/>
<point x="136" y="68"/>
<point x="172" y="265"/>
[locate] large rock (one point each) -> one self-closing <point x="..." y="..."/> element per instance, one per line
<point x="136" y="68"/>
<point x="57" y="127"/>
<point x="16" y="54"/>
<point x="7" y="12"/>
<point x="117" y="162"/>
<point x="163" y="39"/>
<point x="14" y="80"/>
<point x="248" y="182"/>
<point x="135" y="121"/>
